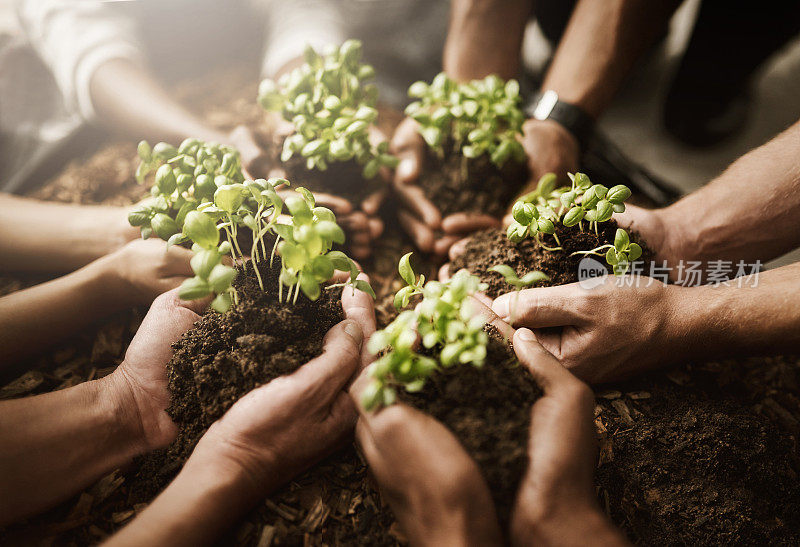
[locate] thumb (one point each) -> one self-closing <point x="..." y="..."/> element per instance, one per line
<point x="551" y="376"/>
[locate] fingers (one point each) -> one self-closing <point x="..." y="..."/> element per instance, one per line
<point x="408" y="146"/>
<point x="166" y="321"/>
<point x="178" y="261"/>
<point x="375" y="227"/>
<point x="541" y="307"/>
<point x="444" y="272"/>
<point x="480" y="308"/>
<point x="457" y="248"/>
<point x="548" y="372"/>
<point x="359" y="307"/>
<point x="341" y="357"/>
<point x="442" y="245"/>
<point x="463" y="223"/>
<point x="373" y="202"/>
<point x="420" y="233"/>
<point x="413" y="199"/>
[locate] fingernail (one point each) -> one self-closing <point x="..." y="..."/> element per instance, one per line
<point x="404" y="169"/>
<point x="354" y="330"/>
<point x="526" y="335"/>
<point x="500" y="306"/>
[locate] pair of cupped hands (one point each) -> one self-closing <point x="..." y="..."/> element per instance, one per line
<point x="435" y="489"/>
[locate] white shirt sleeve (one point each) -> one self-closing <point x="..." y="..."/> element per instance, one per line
<point x="293" y="24"/>
<point x="74" y="38"/>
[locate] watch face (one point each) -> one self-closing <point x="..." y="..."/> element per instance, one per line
<point x="545" y="105"/>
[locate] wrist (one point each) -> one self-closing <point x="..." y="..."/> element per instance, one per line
<point x="111" y="287"/>
<point x="123" y="422"/>
<point x="571" y="528"/>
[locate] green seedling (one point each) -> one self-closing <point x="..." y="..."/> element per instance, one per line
<point x="444" y="322"/>
<point x="619" y="255"/>
<point x="527" y="280"/>
<point x="200" y="194"/>
<point x="477" y="117"/>
<point x="332" y="106"/>
<point x="538" y="213"/>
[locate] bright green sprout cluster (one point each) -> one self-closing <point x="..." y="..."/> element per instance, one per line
<point x="444" y="320"/>
<point x="620" y="254"/>
<point x="332" y="107"/>
<point x="215" y="198"/>
<point x="479" y="117"/>
<point x="518" y="283"/>
<point x="538" y="212"/>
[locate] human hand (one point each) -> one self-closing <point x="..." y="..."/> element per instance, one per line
<point x="606" y="333"/>
<point x="143" y="269"/>
<point x="141" y="380"/>
<point x="255" y="160"/>
<point x="436" y="491"/>
<point x="550" y="148"/>
<point x="556" y="502"/>
<point x="280" y="429"/>
<point x="418" y="216"/>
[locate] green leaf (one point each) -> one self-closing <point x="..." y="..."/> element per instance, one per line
<point x="506" y="271"/>
<point x="573" y="216"/>
<point x="322" y="268"/>
<point x="604" y="210"/>
<point x="201" y="228"/>
<point x="221" y="277"/>
<point x="139" y="216"/>
<point x="222" y="303"/>
<point x="534" y="277"/>
<point x="405" y="269"/>
<point x="204" y="261"/>
<point x="621" y="240"/>
<point x="363" y="286"/>
<point x="144" y="151"/>
<point x="294" y="256"/>
<point x="403" y="297"/>
<point x="634" y="252"/>
<point x="611" y="257"/>
<point x="194" y="288"/>
<point x="164" y="151"/>
<point x="309" y="286"/>
<point x="229" y="197"/>
<point x="618" y="194"/>
<point x="163" y="226"/>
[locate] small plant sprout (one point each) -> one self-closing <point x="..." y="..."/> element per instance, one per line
<point x="620" y="254"/>
<point x="518" y="283"/>
<point x="475" y="118"/>
<point x="443" y="322"/>
<point x="332" y="107"/>
<point x="538" y="213"/>
<point x="200" y="194"/>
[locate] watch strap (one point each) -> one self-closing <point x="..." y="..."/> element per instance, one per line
<point x="547" y="106"/>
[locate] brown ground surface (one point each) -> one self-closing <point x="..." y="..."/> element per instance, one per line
<point x="704" y="453"/>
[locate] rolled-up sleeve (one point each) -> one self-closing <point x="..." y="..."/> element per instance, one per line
<point x="291" y="25"/>
<point x="74" y="38"/>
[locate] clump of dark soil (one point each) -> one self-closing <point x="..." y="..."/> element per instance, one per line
<point x="491" y="247"/>
<point x="489" y="411"/>
<point x="227" y="355"/>
<point x="457" y="184"/>
<point x="342" y="178"/>
<point x="699" y="469"/>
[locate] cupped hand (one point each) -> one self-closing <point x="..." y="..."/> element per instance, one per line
<point x="556" y="502"/>
<point x="142" y="376"/>
<point x="285" y="426"/>
<point x="143" y="269"/>
<point x="436" y="491"/>
<point x="624" y="326"/>
<point x="418" y="216"/>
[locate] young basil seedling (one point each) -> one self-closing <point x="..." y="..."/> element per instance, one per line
<point x="475" y="118"/>
<point x="444" y="322"/>
<point x="332" y="107"/>
<point x="200" y="193"/>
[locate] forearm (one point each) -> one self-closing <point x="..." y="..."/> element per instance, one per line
<point x="603" y="40"/>
<point x="54" y="445"/>
<point x="32" y="318"/>
<point x="206" y="497"/>
<point x="485" y="37"/>
<point x="38" y="236"/>
<point x="755" y="314"/>
<point x="750" y="212"/>
<point x="128" y="100"/>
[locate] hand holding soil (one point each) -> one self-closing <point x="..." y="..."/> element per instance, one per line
<point x="435" y="489"/>
<point x="145" y="269"/>
<point x="420" y="218"/>
<point x="556" y="503"/>
<point x="142" y="373"/>
<point x="605" y="333"/>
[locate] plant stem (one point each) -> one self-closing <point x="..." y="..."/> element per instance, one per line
<point x="545" y="247"/>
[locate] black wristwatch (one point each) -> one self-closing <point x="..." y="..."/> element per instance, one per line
<point x="547" y="106"/>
